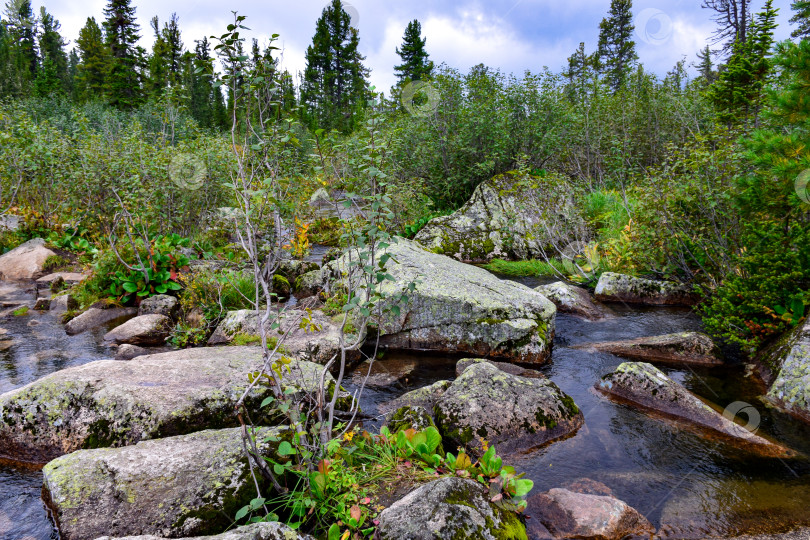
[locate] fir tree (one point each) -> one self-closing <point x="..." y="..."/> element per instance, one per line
<point x="122" y="85"/>
<point x="52" y="77"/>
<point x="158" y="62"/>
<point x="801" y="18"/>
<point x="705" y="67"/>
<point x="94" y="62"/>
<point x="579" y="73"/>
<point x="334" y="90"/>
<point x="416" y="64"/>
<point x="21" y="28"/>
<point x="617" y="50"/>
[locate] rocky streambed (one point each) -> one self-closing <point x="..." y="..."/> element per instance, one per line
<point x="589" y="452"/>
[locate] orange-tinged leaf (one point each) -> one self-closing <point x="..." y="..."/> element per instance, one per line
<point x="355" y="512"/>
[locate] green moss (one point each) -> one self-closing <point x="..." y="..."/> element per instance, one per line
<point x="20" y="311"/>
<point x="530" y="267"/>
<point x="243" y="339"/>
<point x="510" y="528"/>
<point x="54" y="262"/>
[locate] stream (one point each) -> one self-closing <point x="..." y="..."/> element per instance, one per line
<point x="687" y="486"/>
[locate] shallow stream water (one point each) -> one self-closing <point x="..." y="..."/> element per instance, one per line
<point x="687" y="486"/>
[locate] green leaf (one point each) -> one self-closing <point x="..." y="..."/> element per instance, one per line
<point x="432" y="439"/>
<point x="523" y="487"/>
<point x="267" y="401"/>
<point x="286" y="449"/>
<point x="242" y="513"/>
<point x="129" y="287"/>
<point x="334" y="532"/>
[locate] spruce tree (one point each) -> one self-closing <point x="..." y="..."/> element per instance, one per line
<point x="21" y="28"/>
<point x="122" y="85"/>
<point x="705" y="67"/>
<point x="801" y="18"/>
<point x="334" y="90"/>
<point x="416" y="64"/>
<point x="52" y="77"/>
<point x="617" y="50"/>
<point x="94" y="62"/>
<point x="579" y="73"/>
<point x="738" y="92"/>
<point x="158" y="62"/>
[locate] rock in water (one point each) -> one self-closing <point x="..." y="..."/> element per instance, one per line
<point x="567" y="514"/>
<point x="510" y="412"/>
<point x="96" y="317"/>
<point x="448" y="508"/>
<point x="512" y="369"/>
<point x="511" y="216"/>
<point x="631" y="290"/>
<point x="574" y="300"/>
<point x="161" y="304"/>
<point x="645" y="385"/>
<point x="459" y="308"/>
<point x="24" y="261"/>
<point x="142" y="330"/>
<point x="256" y="531"/>
<point x="787" y="369"/>
<point x="174" y="487"/>
<point x="63" y="303"/>
<point x="112" y="403"/>
<point x="681" y="349"/>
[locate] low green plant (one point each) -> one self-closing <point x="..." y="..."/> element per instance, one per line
<point x="183" y="335"/>
<point x="218" y="292"/>
<point x="410" y="230"/>
<point x="160" y="277"/>
<point x="531" y="267"/>
<point x="20" y="311"/>
<point x="54" y="262"/>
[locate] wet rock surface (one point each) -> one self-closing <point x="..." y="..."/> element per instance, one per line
<point x="574" y="300"/>
<point x="647" y="386"/>
<point x="510" y="412"/>
<point x="614" y="287"/>
<point x="175" y="487"/>
<point x="448" y="508"/>
<point x="683" y="348"/>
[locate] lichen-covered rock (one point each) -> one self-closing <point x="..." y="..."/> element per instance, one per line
<point x="511" y="216"/>
<point x="567" y="514"/>
<point x="318" y="343"/>
<point x="512" y="413"/>
<point x="683" y="348"/>
<point x="512" y="369"/>
<point x="460" y="308"/>
<point x="63" y="303"/>
<point x="109" y="403"/>
<point x="632" y="290"/>
<point x="425" y="397"/>
<point x="24" y="261"/>
<point x="161" y="304"/>
<point x="409" y="417"/>
<point x="142" y="330"/>
<point x="787" y="369"/>
<point x="574" y="300"/>
<point x="645" y="385"/>
<point x="175" y="487"/>
<point x="96" y="317"/>
<point x="449" y="508"/>
<point x="309" y="284"/>
<point x="293" y="269"/>
<point x="256" y="531"/>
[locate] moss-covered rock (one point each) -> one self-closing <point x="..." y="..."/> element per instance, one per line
<point x="460" y="308"/>
<point x="574" y="300"/>
<point x="614" y="287"/>
<point x="173" y="487"/>
<point x="111" y="403"/>
<point x="787" y="368"/>
<point x="449" y="509"/>
<point x="646" y="386"/>
<point x="510" y="412"/>
<point x="511" y="216"/>
<point x="680" y="349"/>
<point x="410" y="417"/>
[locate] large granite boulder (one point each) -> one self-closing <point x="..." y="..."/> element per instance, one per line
<point x="786" y="368"/>
<point x="510" y="412"/>
<point x="569" y="514"/>
<point x="96" y="317"/>
<point x="25" y="261"/>
<point x="511" y="216"/>
<point x="648" y="387"/>
<point x="174" y="487"/>
<point x="614" y="287"/>
<point x="574" y="300"/>
<point x="256" y="531"/>
<point x="110" y="403"/>
<point x="142" y="330"/>
<point x="681" y="349"/>
<point x="448" y="508"/>
<point x="459" y="308"/>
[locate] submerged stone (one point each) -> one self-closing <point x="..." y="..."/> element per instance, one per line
<point x="510" y="412"/>
<point x="648" y="387"/>
<point x="614" y="287"/>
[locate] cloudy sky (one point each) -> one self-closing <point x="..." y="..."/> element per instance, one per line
<point x="513" y="35"/>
